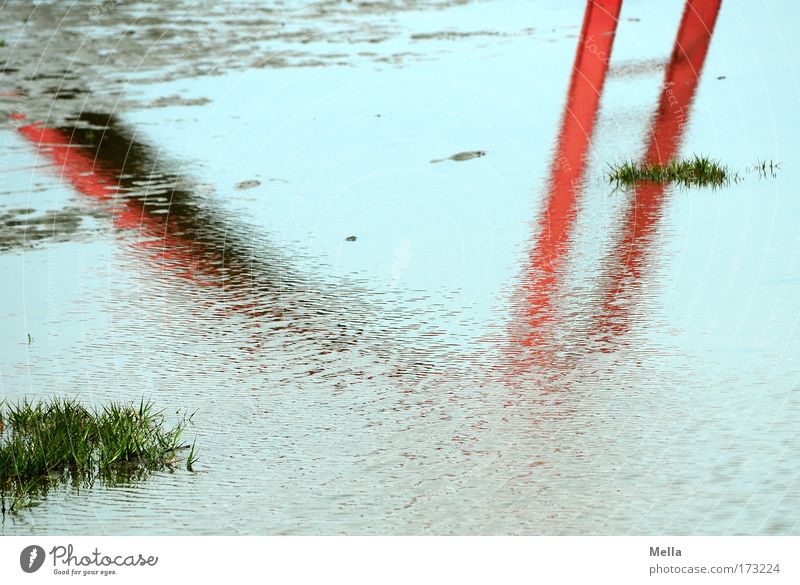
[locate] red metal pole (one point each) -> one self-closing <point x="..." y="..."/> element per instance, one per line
<point x="569" y="160"/>
<point x="90" y="177"/>
<point x="680" y="84"/>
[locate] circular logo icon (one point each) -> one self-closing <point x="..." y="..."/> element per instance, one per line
<point x="31" y="558"/>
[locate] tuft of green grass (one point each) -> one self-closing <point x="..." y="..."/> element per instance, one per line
<point x="697" y="171"/>
<point x="59" y="441"/>
<point x="191" y="458"/>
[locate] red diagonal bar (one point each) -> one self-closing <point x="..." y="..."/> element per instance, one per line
<point x="91" y="178"/>
<point x="680" y="84"/>
<point x="558" y="217"/>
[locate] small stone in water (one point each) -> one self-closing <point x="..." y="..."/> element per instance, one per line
<point x="247" y="185"/>
<point x="462" y="156"/>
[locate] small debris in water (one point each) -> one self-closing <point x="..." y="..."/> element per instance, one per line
<point x="350" y="239"/>
<point x="461" y="156"/>
<point x="176" y="100"/>
<point x="244" y="185"/>
<point x="721" y="77"/>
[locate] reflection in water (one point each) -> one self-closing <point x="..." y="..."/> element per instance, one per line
<point x="170" y="221"/>
<point x="628" y="260"/>
<point x="58" y="46"/>
<point x="538" y="329"/>
<point x="176" y="233"/>
<point x="320" y="411"/>
<point x="533" y="330"/>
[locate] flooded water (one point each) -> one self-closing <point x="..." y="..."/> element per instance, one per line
<point x="234" y="211"/>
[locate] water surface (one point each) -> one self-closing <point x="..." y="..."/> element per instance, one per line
<point x="509" y="345"/>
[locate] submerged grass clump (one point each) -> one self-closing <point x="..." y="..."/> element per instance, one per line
<point x="59" y="441"/>
<point x="697" y="171"/>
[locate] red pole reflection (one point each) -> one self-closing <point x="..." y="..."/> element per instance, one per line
<point x="89" y="177"/>
<point x="680" y="83"/>
<point x="556" y="221"/>
<point x="179" y="238"/>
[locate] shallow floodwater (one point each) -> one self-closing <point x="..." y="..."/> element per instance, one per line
<point x="233" y="211"/>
